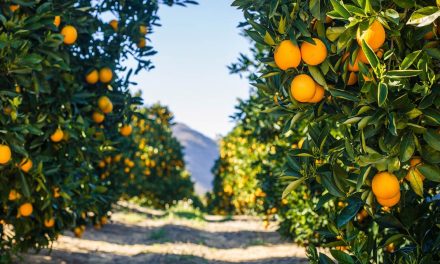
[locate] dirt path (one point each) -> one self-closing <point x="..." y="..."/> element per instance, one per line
<point x="139" y="235"/>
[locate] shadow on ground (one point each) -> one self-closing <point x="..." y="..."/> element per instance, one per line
<point x="116" y="233"/>
<point x="81" y="258"/>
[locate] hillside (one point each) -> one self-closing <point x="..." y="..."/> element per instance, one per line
<point x="200" y="155"/>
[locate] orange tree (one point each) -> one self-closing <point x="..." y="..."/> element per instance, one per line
<point x="362" y="76"/>
<point x="63" y="95"/>
<point x="154" y="169"/>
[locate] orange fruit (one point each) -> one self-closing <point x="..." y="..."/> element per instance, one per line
<point x="303" y="88"/>
<point x="143" y="30"/>
<point x="368" y="78"/>
<point x="13" y="195"/>
<point x="374" y="35"/>
<point x="389" y="202"/>
<point x="390" y="248"/>
<point x="98" y="117"/>
<point x="355" y="66"/>
<point x="101" y="164"/>
<point x="104" y="220"/>
<point x="114" y="24"/>
<point x="57" y="21"/>
<point x="25" y="209"/>
<point x="78" y="231"/>
<point x="14" y="8"/>
<point x="105" y="104"/>
<point x="49" y="223"/>
<point x="92" y="77"/>
<point x="126" y="130"/>
<point x="105" y="75"/>
<point x="429" y="35"/>
<point x="319" y="94"/>
<point x="313" y="54"/>
<point x="5" y="154"/>
<point x="328" y="19"/>
<point x="26" y="165"/>
<point x="56" y="192"/>
<point x="141" y="44"/>
<point x="385" y="185"/>
<point x="287" y="55"/>
<point x="415" y="161"/>
<point x="379" y="53"/>
<point x="57" y="136"/>
<point x="70" y="34"/>
<point x="352" y="78"/>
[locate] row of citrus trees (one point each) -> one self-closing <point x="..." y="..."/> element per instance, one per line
<point x="65" y="108"/>
<point x="359" y="81"/>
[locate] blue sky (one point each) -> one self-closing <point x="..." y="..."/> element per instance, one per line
<point x="195" y="44"/>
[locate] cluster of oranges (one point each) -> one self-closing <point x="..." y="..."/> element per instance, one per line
<point x="143" y="30"/>
<point x="288" y="55"/>
<point x="386" y="188"/>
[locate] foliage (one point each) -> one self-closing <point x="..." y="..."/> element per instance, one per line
<point x="390" y="115"/>
<point x="43" y="90"/>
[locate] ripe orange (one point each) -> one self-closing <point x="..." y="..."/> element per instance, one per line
<point x="70" y="34"/>
<point x="385" y="185"/>
<point x="104" y="220"/>
<point x="368" y="78"/>
<point x="389" y="202"/>
<point x="415" y="161"/>
<point x="49" y="223"/>
<point x="114" y="24"/>
<point x="429" y="35"/>
<point x="78" y="231"/>
<point x="5" y="154"/>
<point x="57" y="21"/>
<point x="287" y="55"/>
<point x="379" y="53"/>
<point x="26" y="165"/>
<point x="142" y="43"/>
<point x="352" y="78"/>
<point x="98" y="117"/>
<point x="303" y="88"/>
<point x="13" y="195"/>
<point x="313" y="54"/>
<point x="56" y="192"/>
<point x="92" y="77"/>
<point x="126" y="130"/>
<point x="101" y="164"/>
<point x="374" y="35"/>
<point x="25" y="209"/>
<point x="390" y="248"/>
<point x="319" y="94"/>
<point x="105" y="75"/>
<point x="143" y="30"/>
<point x="355" y="66"/>
<point x="105" y="104"/>
<point x="14" y="8"/>
<point x="57" y="136"/>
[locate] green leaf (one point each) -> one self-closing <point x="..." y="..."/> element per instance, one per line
<point x="317" y="75"/>
<point x="342" y="257"/>
<point x="431" y="172"/>
<point x="410" y="59"/>
<point x="292" y="186"/>
<point x="25" y="186"/>
<point x="382" y="93"/>
<point x="415" y="181"/>
<point x="324" y="259"/>
<point x="424" y="16"/>
<point x="397" y="74"/>
<point x="268" y="39"/>
<point x="432" y="138"/>
<point x="371" y="56"/>
<point x="340" y="8"/>
<point x="282" y="25"/>
<point x="349" y="212"/>
<point x="407" y="147"/>
<point x="365" y="171"/>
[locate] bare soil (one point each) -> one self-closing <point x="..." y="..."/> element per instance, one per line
<point x="140" y="235"/>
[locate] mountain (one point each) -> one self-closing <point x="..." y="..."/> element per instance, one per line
<point x="200" y="155"/>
